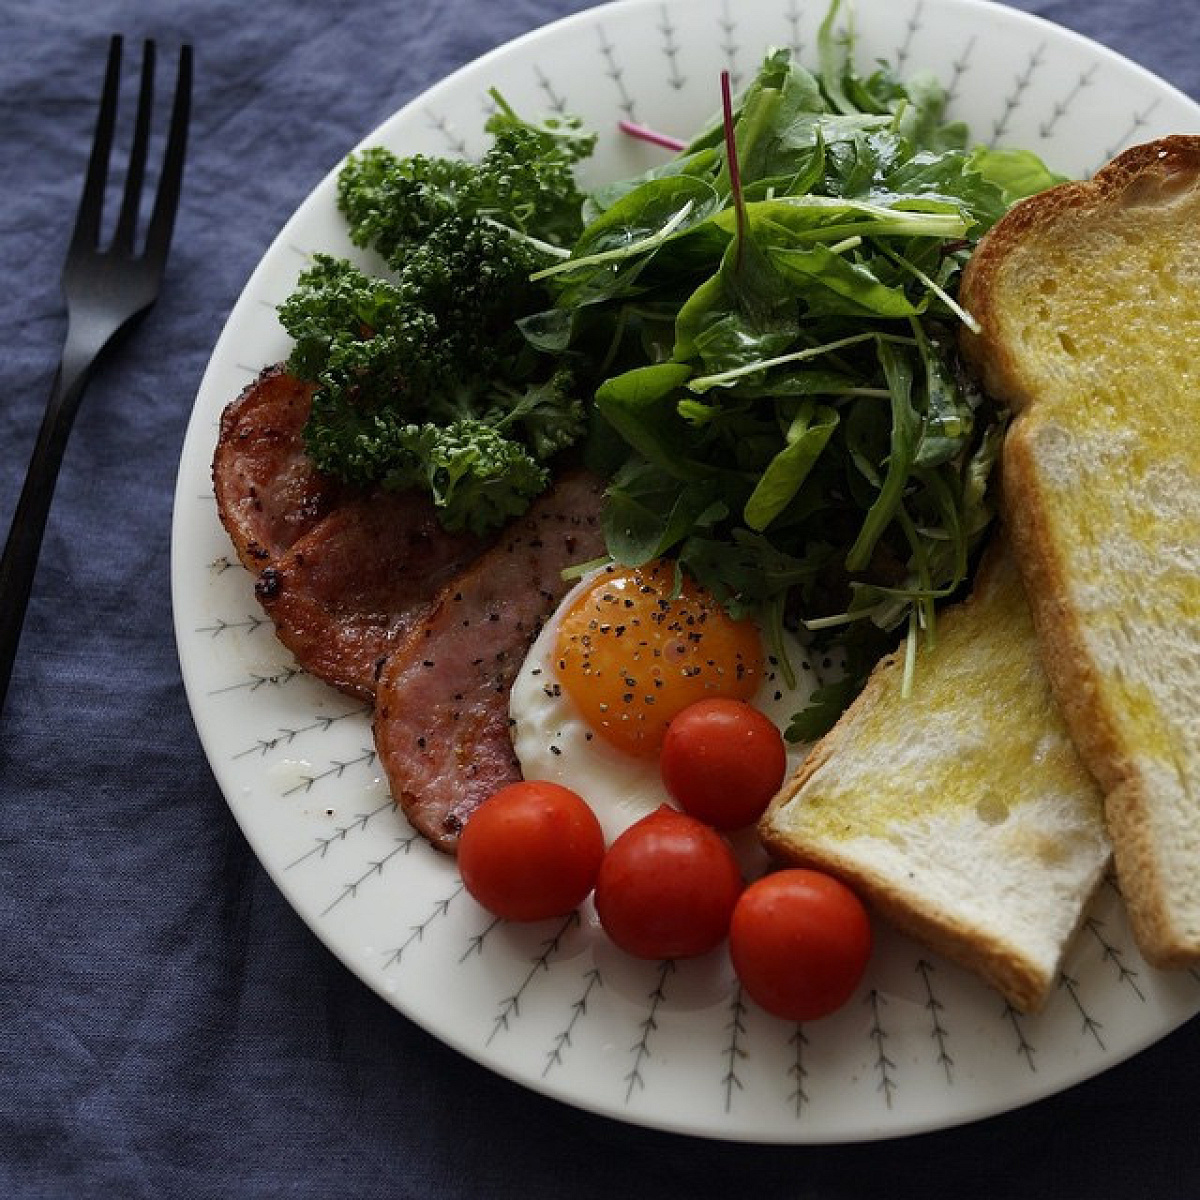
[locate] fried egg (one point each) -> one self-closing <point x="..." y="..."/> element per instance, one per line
<point x="626" y="650"/>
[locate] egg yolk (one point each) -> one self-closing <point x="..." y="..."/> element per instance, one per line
<point x="634" y="648"/>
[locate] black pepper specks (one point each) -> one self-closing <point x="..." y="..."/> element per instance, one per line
<point x="269" y="584"/>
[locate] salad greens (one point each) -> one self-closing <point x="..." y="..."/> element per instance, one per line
<point x="754" y="342"/>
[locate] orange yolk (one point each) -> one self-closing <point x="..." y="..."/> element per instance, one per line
<point x="632" y="651"/>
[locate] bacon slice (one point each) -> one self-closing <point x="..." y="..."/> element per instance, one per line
<point x="441" y="715"/>
<point x="350" y="589"/>
<point x="269" y="494"/>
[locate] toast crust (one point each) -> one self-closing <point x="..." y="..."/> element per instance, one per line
<point x="1144" y="820"/>
<point x="1131" y="177"/>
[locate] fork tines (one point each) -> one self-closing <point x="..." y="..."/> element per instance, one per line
<point x="158" y="235"/>
<point x="105" y="291"/>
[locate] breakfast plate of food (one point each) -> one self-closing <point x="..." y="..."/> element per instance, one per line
<point x="598" y="602"/>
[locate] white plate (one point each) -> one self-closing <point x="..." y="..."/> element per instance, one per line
<point x="922" y="1045"/>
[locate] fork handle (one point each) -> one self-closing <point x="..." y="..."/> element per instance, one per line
<point x="24" y="543"/>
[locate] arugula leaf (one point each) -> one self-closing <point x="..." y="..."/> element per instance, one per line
<point x="821" y="713"/>
<point x="831" y="284"/>
<point x="807" y="435"/>
<point x="834" y="49"/>
<point x="901" y="453"/>
<point x="746" y="570"/>
<point x="947" y="417"/>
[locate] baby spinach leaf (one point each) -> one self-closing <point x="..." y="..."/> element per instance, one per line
<point x="649" y="511"/>
<point x="702" y="164"/>
<point x="1014" y="172"/>
<point x="640" y="222"/>
<point x="803" y="220"/>
<point x="739" y="315"/>
<point x="640" y="405"/>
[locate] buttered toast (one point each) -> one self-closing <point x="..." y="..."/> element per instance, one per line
<point x="960" y="812"/>
<point x="1088" y="298"/>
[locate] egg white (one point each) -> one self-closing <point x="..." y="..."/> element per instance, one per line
<point x="553" y="742"/>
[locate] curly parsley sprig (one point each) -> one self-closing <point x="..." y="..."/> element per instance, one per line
<point x="423" y="376"/>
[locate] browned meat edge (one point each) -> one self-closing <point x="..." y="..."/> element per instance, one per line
<point x="269" y="494"/>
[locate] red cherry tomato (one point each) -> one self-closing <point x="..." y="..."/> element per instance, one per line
<point x="531" y="851"/>
<point x="667" y="887"/>
<point x="722" y="760"/>
<point x="800" y="941"/>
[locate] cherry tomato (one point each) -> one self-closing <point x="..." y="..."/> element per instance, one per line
<point x="667" y="887"/>
<point x="722" y="760"/>
<point x="799" y="941"/>
<point x="531" y="851"/>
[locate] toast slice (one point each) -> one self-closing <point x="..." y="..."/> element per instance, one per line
<point x="1089" y="300"/>
<point x="961" y="812"/>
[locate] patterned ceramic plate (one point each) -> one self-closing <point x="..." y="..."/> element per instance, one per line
<point x="671" y="1045"/>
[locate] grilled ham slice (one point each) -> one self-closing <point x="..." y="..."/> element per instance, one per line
<point x="373" y="596"/>
<point x="441" y="714"/>
<point x="342" y="574"/>
<point x="269" y="494"/>
<point x="352" y="587"/>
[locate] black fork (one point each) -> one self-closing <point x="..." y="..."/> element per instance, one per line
<point x="105" y="291"/>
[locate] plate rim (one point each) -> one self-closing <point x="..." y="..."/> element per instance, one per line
<point x="1061" y="1082"/>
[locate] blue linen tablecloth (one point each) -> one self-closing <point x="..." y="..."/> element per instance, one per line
<point x="168" y="1026"/>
